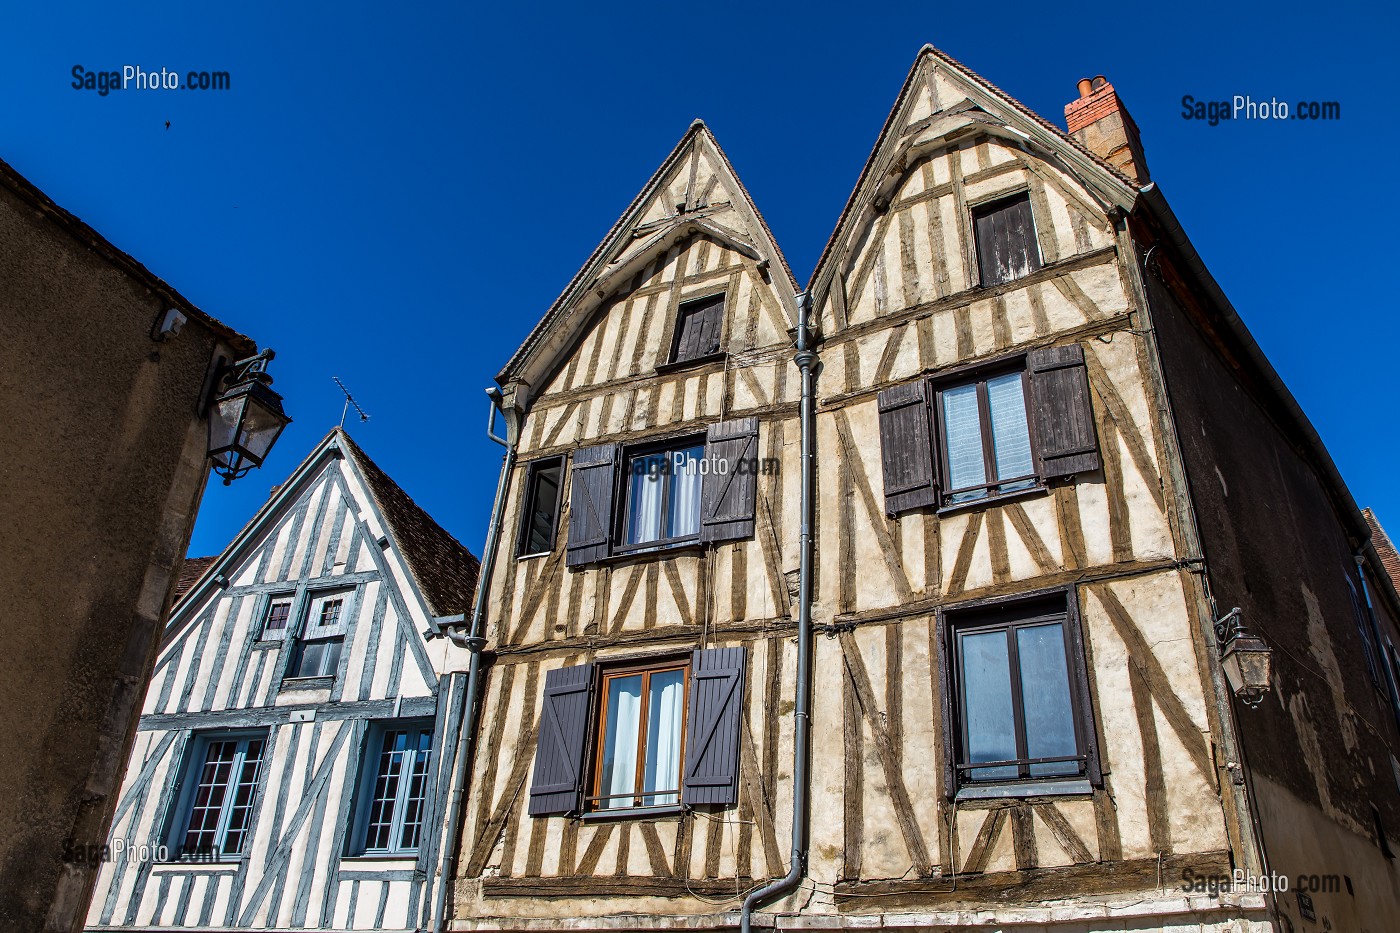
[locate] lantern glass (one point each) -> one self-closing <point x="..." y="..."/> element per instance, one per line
<point x="1248" y="664"/>
<point x="244" y="423"/>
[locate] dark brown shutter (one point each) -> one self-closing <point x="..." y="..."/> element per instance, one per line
<point x="906" y="448"/>
<point x="1064" y="419"/>
<point x="590" y="504"/>
<point x="558" y="780"/>
<point x="1006" y="244"/>
<point x="728" y="491"/>
<point x="712" y="726"/>
<point x="698" y="329"/>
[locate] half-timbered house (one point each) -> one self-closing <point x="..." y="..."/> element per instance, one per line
<point x="984" y="418"/>
<point x="286" y="774"/>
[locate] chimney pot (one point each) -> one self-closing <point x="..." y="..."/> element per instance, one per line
<point x="1099" y="120"/>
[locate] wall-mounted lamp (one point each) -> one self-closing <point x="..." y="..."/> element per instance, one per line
<point x="1246" y="658"/>
<point x="246" y="418"/>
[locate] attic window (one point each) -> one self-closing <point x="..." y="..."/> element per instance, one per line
<point x="698" y="325"/>
<point x="1006" y="243"/>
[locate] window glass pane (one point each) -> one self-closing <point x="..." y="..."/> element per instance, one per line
<point x="241" y="812"/>
<point x="986" y="704"/>
<point x="664" y="716"/>
<point x="277" y="614"/>
<point x="386" y="790"/>
<point x="316" y="658"/>
<point x="620" y="736"/>
<point x="539" y="535"/>
<point x="684" y="518"/>
<point x="645" y="486"/>
<point x="1011" y="437"/>
<point x="416" y="790"/>
<point x="1045" y="692"/>
<point x="962" y="429"/>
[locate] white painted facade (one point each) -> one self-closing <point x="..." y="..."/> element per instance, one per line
<point x="222" y="673"/>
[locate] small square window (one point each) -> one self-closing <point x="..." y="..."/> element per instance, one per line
<point x="698" y="327"/>
<point x="393" y="789"/>
<point x="544" y="481"/>
<point x="641" y="737"/>
<point x="1006" y="243"/>
<point x="986" y="438"/>
<point x="662" y="488"/>
<point x="1016" y="687"/>
<point x="214" y="811"/>
<point x="279" y="611"/>
<point x="318" y="647"/>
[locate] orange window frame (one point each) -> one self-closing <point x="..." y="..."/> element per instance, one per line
<point x="596" y="798"/>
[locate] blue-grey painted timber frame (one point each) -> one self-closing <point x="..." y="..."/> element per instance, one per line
<point x="306" y="791"/>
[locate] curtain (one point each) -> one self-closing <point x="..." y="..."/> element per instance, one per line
<point x="963" y="425"/>
<point x="684" y="519"/>
<point x="1011" y="438"/>
<point x="644" y="498"/>
<point x="1045" y="695"/>
<point x="988" y="716"/>
<point x="620" y="744"/>
<point x="663" y="766"/>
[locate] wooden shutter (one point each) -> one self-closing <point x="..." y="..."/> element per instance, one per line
<point x="906" y="448"/>
<point x="590" y="504"/>
<point x="1064" y="419"/>
<point x="729" y="490"/>
<point x="559" y="745"/>
<point x="712" y="726"/>
<point x="698" y="329"/>
<point x="1006" y="244"/>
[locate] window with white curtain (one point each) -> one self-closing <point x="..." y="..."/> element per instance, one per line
<point x="642" y="730"/>
<point x="663" y="494"/>
<point x="986" y="438"/>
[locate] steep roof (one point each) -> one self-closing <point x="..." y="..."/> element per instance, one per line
<point x="444" y="569"/>
<point x="191" y="569"/>
<point x="1021" y="121"/>
<point x="1390" y="559"/>
<point x="549" y="335"/>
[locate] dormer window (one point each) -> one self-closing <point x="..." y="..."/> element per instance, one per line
<point x="698" y="328"/>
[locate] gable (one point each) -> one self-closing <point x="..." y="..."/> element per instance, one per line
<point x="693" y="219"/>
<point x="324" y="532"/>
<point x="953" y="133"/>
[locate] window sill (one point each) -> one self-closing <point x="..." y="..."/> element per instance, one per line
<point x="633" y="813"/>
<point x="222" y="864"/>
<point x="676" y="366"/>
<point x="1055" y="788"/>
<point x="385" y="859"/>
<point x="646" y="550"/>
<point x="1001" y="499"/>
<point x="307" y="683"/>
<point x="535" y="555"/>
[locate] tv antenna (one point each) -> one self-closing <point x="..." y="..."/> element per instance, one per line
<point x="349" y="400"/>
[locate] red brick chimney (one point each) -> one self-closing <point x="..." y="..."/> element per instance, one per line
<point x="1099" y="120"/>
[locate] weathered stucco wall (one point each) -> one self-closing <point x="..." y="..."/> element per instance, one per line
<point x="1320" y="745"/>
<point x="102" y="471"/>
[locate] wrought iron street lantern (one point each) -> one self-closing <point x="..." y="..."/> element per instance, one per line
<point x="246" y="418"/>
<point x="1246" y="658"/>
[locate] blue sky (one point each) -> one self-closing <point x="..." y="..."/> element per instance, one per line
<point x="395" y="193"/>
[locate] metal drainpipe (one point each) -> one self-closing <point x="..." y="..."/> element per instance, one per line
<point x="473" y="642"/>
<point x="806" y="361"/>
